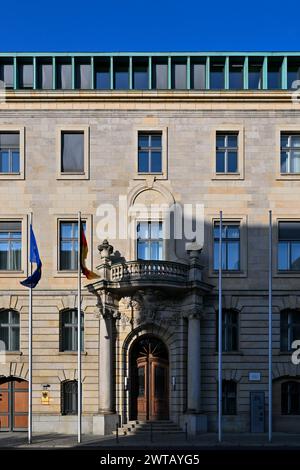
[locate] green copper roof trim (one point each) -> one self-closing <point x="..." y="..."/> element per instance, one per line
<point x="154" y="54"/>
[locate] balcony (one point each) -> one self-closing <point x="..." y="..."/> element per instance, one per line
<point x="126" y="277"/>
<point x="149" y="270"/>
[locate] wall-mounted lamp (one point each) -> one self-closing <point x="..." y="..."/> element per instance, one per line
<point x="45" y="386"/>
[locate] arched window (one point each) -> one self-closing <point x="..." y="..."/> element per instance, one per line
<point x="69" y="397"/>
<point x="229" y="397"/>
<point x="230" y="331"/>
<point x="10" y="329"/>
<point x="290" y="398"/>
<point x="68" y="333"/>
<point x="289" y="328"/>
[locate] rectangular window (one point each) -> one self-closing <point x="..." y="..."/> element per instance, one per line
<point x="229" y="398"/>
<point x="226" y="152"/>
<point x="160" y="75"/>
<point x="217" y="76"/>
<point x="68" y="245"/>
<point x="7" y="75"/>
<point x="274" y="74"/>
<point x="236" y="75"/>
<point x="45" y="76"/>
<point x="198" y="74"/>
<point x="140" y="75"/>
<point x="9" y="152"/>
<point x="293" y="73"/>
<point x="72" y="152"/>
<point x="150" y="240"/>
<point x="290" y="153"/>
<point x="64" y="76"/>
<point x="179" y="75"/>
<point x="255" y="74"/>
<point x="83" y="76"/>
<point x="102" y="75"/>
<point x="230" y="246"/>
<point x="26" y="75"/>
<point x="289" y="329"/>
<point x="289" y="246"/>
<point x="121" y="75"/>
<point x="150" y="153"/>
<point x="10" y="245"/>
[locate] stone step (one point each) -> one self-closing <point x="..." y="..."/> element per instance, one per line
<point x="144" y="427"/>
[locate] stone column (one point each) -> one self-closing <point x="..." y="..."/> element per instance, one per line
<point x="106" y="421"/>
<point x="194" y="364"/>
<point x="106" y="365"/>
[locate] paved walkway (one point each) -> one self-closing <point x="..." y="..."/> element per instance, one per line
<point x="59" y="441"/>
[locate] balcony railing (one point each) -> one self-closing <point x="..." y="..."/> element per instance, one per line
<point x="134" y="270"/>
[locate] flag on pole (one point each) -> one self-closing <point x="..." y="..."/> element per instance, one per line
<point x="35" y="277"/>
<point x="83" y="256"/>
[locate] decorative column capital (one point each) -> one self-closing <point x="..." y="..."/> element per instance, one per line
<point x="193" y="314"/>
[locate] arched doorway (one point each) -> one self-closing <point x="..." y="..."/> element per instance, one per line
<point x="149" y="373"/>
<point x="13" y="404"/>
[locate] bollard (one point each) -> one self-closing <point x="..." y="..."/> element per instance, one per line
<point x="151" y="433"/>
<point x="186" y="431"/>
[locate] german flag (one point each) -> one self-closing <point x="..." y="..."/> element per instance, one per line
<point x="83" y="255"/>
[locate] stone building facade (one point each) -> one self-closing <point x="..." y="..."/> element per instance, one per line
<point x="150" y="325"/>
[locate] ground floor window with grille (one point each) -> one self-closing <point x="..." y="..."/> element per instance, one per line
<point x="229" y="397"/>
<point x="69" y="397"/>
<point x="229" y="330"/>
<point x="68" y="326"/>
<point x="10" y="330"/>
<point x="290" y="398"/>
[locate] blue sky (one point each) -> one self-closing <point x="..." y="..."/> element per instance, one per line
<point x="156" y="25"/>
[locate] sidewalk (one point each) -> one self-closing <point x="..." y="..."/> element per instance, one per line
<point x="208" y="441"/>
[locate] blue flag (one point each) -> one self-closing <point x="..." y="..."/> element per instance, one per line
<point x="33" y="280"/>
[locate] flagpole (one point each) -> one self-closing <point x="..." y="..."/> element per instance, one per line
<point x="220" y="346"/>
<point x="270" y="328"/>
<point x="30" y="348"/>
<point x="79" y="404"/>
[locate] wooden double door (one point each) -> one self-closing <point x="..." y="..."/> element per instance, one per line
<point x="13" y="405"/>
<point x="150" y="390"/>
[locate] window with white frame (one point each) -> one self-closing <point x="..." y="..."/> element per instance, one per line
<point x="72" y="152"/>
<point x="289" y="246"/>
<point x="150" y="240"/>
<point x="69" y="328"/>
<point x="9" y="152"/>
<point x="289" y="329"/>
<point x="150" y="152"/>
<point x="10" y="245"/>
<point x="290" y="153"/>
<point x="230" y="246"/>
<point x="68" y="245"/>
<point x="10" y="329"/>
<point x="227" y="152"/>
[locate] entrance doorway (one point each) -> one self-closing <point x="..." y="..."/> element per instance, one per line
<point x="13" y="404"/>
<point x="149" y="380"/>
